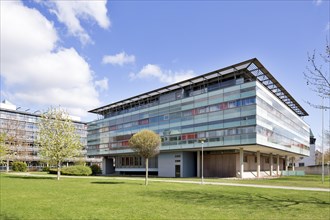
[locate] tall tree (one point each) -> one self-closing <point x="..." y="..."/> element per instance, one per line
<point x="58" y="138"/>
<point x="317" y="75"/>
<point x="146" y="144"/>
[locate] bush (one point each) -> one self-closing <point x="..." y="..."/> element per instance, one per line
<point x="19" y="167"/>
<point x="52" y="171"/>
<point x="96" y="169"/>
<point x="45" y="169"/>
<point x="76" y="171"/>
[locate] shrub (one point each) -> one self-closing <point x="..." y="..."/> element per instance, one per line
<point x="52" y="171"/>
<point x="96" y="169"/>
<point x="19" y="167"/>
<point x="76" y="171"/>
<point x="45" y="169"/>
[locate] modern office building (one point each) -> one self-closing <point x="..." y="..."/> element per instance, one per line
<point x="21" y="127"/>
<point x="238" y="121"/>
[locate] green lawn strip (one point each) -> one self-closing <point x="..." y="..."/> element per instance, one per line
<point x="313" y="181"/>
<point x="24" y="197"/>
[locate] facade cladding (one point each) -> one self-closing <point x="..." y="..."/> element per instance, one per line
<point x="248" y="122"/>
<point x="22" y="128"/>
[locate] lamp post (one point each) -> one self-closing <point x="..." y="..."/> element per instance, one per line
<point x="202" y="141"/>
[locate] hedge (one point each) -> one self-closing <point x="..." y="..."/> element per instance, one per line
<point x="73" y="171"/>
<point x="19" y="166"/>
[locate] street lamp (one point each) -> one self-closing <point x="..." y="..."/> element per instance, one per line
<point x="202" y="141"/>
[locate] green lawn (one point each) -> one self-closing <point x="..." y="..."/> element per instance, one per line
<point x="73" y="198"/>
<point x="296" y="181"/>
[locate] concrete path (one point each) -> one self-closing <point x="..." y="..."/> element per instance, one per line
<point x="182" y="181"/>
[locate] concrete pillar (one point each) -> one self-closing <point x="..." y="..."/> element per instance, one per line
<point x="241" y="161"/>
<point x="258" y="164"/>
<point x="104" y="165"/>
<point x="286" y="163"/>
<point x="293" y="159"/>
<point x="278" y="165"/>
<point x="198" y="164"/>
<point x="271" y="162"/>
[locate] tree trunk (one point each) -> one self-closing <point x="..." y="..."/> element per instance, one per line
<point x="7" y="167"/>
<point x="147" y="164"/>
<point x="58" y="170"/>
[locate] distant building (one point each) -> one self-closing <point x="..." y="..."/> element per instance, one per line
<point x="311" y="160"/>
<point x="21" y="126"/>
<point x="238" y="121"/>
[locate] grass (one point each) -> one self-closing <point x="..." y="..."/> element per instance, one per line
<point x="314" y="181"/>
<point x="24" y="197"/>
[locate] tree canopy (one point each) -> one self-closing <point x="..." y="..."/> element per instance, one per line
<point x="57" y="137"/>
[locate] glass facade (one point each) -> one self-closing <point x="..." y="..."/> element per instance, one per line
<point x="241" y="106"/>
<point x="279" y="127"/>
<point x="222" y="116"/>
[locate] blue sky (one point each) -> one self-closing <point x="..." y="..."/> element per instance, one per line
<point x="86" y="54"/>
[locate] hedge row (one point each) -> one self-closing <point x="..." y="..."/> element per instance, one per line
<point x="73" y="171"/>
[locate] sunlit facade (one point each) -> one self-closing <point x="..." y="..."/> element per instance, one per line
<point x="21" y="126"/>
<point x="248" y="123"/>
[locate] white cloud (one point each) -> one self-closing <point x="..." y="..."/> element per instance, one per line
<point x="71" y="12"/>
<point x="164" y="76"/>
<point x="102" y="84"/>
<point x="37" y="72"/>
<point x="118" y="59"/>
<point x="318" y="2"/>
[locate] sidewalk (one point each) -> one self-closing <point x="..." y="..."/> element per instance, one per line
<point x="181" y="181"/>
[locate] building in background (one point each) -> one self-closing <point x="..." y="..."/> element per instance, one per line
<point x="22" y="127"/>
<point x="311" y="160"/>
<point x="238" y="121"/>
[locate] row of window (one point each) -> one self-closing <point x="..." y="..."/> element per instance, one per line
<point x="187" y="138"/>
<point x="280" y="139"/>
<point x="176" y="95"/>
<point x="281" y="114"/>
<point x="178" y="116"/>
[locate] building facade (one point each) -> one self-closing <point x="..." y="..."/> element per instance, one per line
<point x="21" y="128"/>
<point x="238" y="120"/>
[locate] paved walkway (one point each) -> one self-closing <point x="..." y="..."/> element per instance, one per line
<point x="183" y="181"/>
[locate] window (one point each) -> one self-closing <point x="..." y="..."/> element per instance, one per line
<point x="301" y="164"/>
<point x="245" y="159"/>
<point x="144" y="121"/>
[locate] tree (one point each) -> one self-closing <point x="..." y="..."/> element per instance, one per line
<point x="57" y="138"/>
<point x="317" y="76"/>
<point x="146" y="144"/>
<point x="4" y="149"/>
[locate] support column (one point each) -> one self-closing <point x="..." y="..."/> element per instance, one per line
<point x="286" y="163"/>
<point x="241" y="161"/>
<point x="293" y="159"/>
<point x="258" y="164"/>
<point x="198" y="164"/>
<point x="271" y="164"/>
<point x="278" y="165"/>
<point x="103" y="165"/>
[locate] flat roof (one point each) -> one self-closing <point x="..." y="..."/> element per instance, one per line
<point x="32" y="114"/>
<point x="253" y="67"/>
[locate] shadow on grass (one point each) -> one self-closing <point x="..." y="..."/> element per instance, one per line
<point x="31" y="177"/>
<point x="108" y="183"/>
<point x="227" y="199"/>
